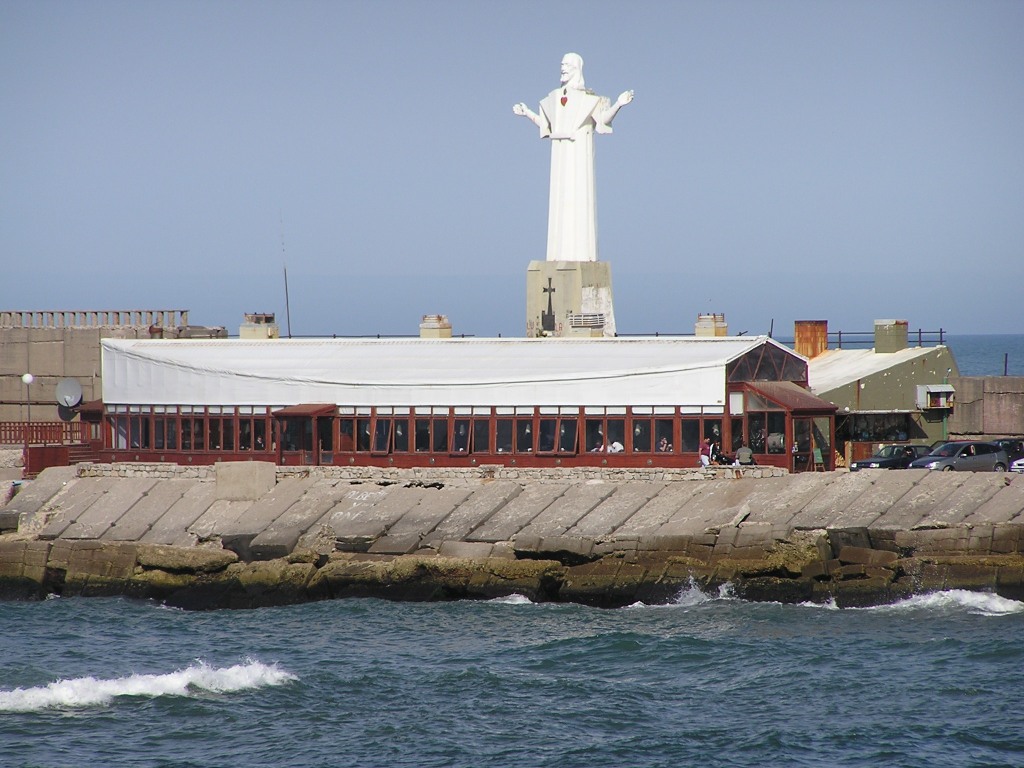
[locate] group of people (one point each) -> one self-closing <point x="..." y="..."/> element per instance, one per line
<point x="711" y="453"/>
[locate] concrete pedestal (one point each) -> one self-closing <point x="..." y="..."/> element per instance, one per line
<point x="569" y="298"/>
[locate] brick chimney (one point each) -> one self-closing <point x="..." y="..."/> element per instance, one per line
<point x="810" y="337"/>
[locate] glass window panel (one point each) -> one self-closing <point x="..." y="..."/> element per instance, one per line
<point x="593" y="435"/>
<point x="642" y="435"/>
<point x="691" y="435"/>
<point x="325" y="433"/>
<point x="524" y="435"/>
<point x="382" y="435"/>
<point x="567" y="435"/>
<point x="401" y="435"/>
<point x="821" y="437"/>
<point x="615" y="435"/>
<point x="663" y="436"/>
<point x="481" y="436"/>
<point x="776" y="432"/>
<point x="422" y="435"/>
<point x="362" y="434"/>
<point x="546" y="438"/>
<point x="215" y="444"/>
<point x="260" y="440"/>
<point x="503" y="435"/>
<point x="736" y="426"/>
<point x="346" y="435"/>
<point x="440" y="435"/>
<point x="460" y="436"/>
<point x="245" y="434"/>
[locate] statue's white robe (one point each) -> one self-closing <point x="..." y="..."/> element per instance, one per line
<point x="572" y="201"/>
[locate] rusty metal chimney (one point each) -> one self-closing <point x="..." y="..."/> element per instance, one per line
<point x="810" y="337"/>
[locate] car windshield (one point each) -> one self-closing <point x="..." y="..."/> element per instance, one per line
<point x="889" y="452"/>
<point x="946" y="449"/>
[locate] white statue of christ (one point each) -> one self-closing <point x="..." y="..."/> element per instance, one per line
<point x="569" y="116"/>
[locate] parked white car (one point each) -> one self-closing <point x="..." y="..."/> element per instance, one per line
<point x="1018" y="466"/>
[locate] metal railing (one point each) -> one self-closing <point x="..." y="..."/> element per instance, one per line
<point x="93" y="318"/>
<point x="43" y="432"/>
<point x="866" y="339"/>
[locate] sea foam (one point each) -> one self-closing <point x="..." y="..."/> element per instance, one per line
<point x="195" y="679"/>
<point x="979" y="603"/>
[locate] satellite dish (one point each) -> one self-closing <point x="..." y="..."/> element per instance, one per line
<point x="69" y="393"/>
<point x="65" y="413"/>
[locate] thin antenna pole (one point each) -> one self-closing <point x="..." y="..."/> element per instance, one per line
<point x="287" y="304"/>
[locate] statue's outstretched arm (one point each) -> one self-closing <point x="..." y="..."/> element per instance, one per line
<point x="624" y="98"/>
<point x="524" y="111"/>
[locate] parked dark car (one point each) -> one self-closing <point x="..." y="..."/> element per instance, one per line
<point x="1014" y="447"/>
<point x="892" y="457"/>
<point x="964" y="456"/>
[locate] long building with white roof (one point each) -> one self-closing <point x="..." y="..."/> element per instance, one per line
<point x="406" y="402"/>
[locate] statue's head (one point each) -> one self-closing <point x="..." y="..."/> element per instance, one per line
<point x="572" y="71"/>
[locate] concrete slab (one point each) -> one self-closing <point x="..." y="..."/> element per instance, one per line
<point x="266" y="509"/>
<point x="63" y="510"/>
<point x="468" y="550"/>
<point x="282" y="536"/>
<point x="839" y="490"/>
<point x="1005" y="506"/>
<point x="659" y="510"/>
<point x="217" y="517"/>
<point x="35" y="493"/>
<point x="567" y="510"/>
<point x="880" y="504"/>
<point x="244" y="480"/>
<point x="434" y="506"/>
<point x="105" y="513"/>
<point x="173" y="524"/>
<point x="368" y="513"/>
<point x="778" y="500"/>
<point x="721" y="503"/>
<point x="924" y="503"/>
<point x="517" y="514"/>
<point x="137" y="521"/>
<point x="967" y="497"/>
<point x="610" y="514"/>
<point x="475" y="511"/>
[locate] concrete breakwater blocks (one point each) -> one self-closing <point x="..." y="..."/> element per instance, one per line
<point x="249" y="533"/>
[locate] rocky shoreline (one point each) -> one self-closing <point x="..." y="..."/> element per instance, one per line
<point x="255" y="535"/>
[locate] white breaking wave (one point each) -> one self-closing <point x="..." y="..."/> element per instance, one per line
<point x="514" y="599"/>
<point x="979" y="603"/>
<point x="194" y="679"/>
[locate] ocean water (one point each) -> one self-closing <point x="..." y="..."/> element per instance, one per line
<point x="988" y="355"/>
<point x="709" y="680"/>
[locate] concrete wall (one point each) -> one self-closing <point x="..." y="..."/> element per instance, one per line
<point x="58" y="345"/>
<point x="988" y="406"/>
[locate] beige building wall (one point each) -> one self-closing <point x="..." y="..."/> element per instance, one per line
<point x="56" y="345"/>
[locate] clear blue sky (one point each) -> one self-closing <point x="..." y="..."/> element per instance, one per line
<point x="782" y="160"/>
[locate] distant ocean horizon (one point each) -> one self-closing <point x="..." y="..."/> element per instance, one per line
<point x="977" y="354"/>
<point x="986" y="354"/>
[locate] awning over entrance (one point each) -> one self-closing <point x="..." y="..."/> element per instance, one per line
<point x="307" y="409"/>
<point x="791" y="396"/>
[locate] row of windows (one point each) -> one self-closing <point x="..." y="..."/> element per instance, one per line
<point x="453" y="434"/>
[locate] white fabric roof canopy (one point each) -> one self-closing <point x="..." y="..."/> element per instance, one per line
<point x="421" y="372"/>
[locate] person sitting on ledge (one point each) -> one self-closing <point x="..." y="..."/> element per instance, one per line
<point x="745" y="456"/>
